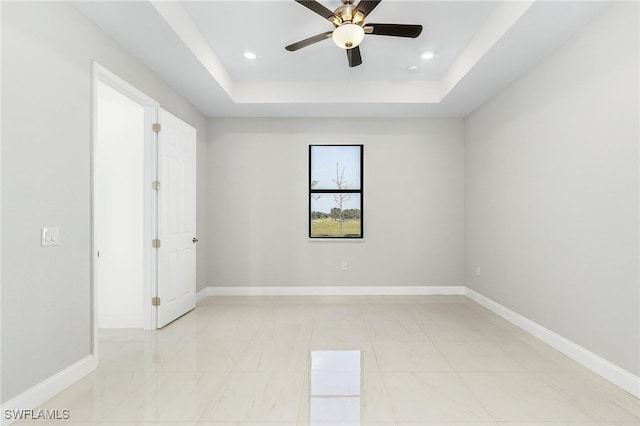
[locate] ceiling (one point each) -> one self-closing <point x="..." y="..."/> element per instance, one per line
<point x="197" y="47"/>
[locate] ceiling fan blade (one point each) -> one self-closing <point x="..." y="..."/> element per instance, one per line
<point x="353" y="55"/>
<point x="308" y="41"/>
<point x="396" y="30"/>
<point x="366" y="6"/>
<point x="317" y="8"/>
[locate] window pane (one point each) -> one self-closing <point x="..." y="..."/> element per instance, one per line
<point x="335" y="167"/>
<point x="336" y="215"/>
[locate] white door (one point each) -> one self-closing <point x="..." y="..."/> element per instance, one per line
<point x="177" y="218"/>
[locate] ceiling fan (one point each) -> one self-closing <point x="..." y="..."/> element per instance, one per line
<point x="350" y="28"/>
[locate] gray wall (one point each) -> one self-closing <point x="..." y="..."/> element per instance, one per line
<point x="258" y="203"/>
<point x="551" y="191"/>
<point x="47" y="51"/>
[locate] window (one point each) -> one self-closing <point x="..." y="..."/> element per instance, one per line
<point x="335" y="191"/>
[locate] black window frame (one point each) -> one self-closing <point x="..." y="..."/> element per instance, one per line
<point x="338" y="191"/>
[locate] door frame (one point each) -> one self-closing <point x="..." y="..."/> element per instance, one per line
<point x="150" y="206"/>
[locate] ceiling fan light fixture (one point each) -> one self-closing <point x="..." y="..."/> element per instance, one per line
<point x="249" y="55"/>
<point x="348" y="36"/>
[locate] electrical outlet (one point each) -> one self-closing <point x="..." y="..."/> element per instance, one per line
<point x="477" y="271"/>
<point x="344" y="266"/>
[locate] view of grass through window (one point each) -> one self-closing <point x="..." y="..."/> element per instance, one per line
<point x="335" y="191"/>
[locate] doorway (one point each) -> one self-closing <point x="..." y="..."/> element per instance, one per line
<point x="124" y="206"/>
<point x="119" y="225"/>
<point x="143" y="205"/>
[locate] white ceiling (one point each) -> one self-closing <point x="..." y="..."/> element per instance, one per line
<point x="275" y="24"/>
<point x="197" y="47"/>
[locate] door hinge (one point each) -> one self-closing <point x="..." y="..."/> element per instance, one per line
<point x="155" y="301"/>
<point x="156" y="185"/>
<point x="155" y="243"/>
<point x="156" y="127"/>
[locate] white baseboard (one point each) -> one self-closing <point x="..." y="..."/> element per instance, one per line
<point x="333" y="291"/>
<point x="593" y="362"/>
<point x="40" y="393"/>
<point x="203" y="294"/>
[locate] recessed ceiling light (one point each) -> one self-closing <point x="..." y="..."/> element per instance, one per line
<point x="250" y="55"/>
<point x="427" y="54"/>
<point x="412" y="68"/>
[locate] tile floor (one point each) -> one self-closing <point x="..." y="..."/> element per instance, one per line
<point x="424" y="360"/>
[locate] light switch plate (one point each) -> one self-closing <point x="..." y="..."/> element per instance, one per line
<point x="49" y="236"/>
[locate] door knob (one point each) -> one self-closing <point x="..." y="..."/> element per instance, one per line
<point x="195" y="240"/>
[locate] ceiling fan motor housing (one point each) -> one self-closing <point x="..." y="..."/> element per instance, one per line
<point x="347" y="14"/>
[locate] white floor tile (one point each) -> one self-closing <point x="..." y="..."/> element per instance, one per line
<point x="250" y="396"/>
<point x="385" y="311"/>
<point x="514" y="396"/>
<point x="394" y="330"/>
<point x="477" y="355"/>
<point x="536" y="355"/>
<point x="285" y="329"/>
<point x="409" y="355"/>
<point x="449" y="329"/>
<point x="275" y="356"/>
<point x="424" y="361"/>
<point x="179" y="396"/>
<point x="601" y="400"/>
<point x="432" y="397"/>
<point x="206" y="355"/>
